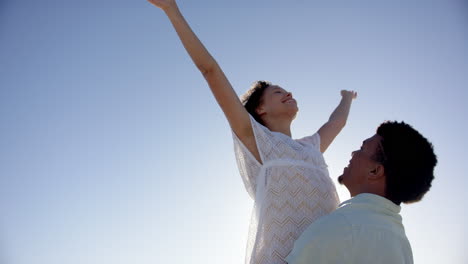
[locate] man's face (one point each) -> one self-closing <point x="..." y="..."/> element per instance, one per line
<point x="361" y="166"/>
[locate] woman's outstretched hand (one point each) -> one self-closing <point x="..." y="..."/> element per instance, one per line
<point x="163" y="4"/>
<point x="348" y="94"/>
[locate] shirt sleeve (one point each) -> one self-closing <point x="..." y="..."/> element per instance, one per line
<point x="313" y="141"/>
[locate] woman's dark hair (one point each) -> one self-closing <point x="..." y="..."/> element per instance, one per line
<point x="253" y="98"/>
<point x="409" y="161"/>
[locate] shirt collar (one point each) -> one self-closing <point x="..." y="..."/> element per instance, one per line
<point x="374" y="202"/>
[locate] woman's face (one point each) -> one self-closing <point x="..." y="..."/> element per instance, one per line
<point x="277" y="102"/>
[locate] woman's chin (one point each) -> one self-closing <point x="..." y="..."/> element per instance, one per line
<point x="294" y="110"/>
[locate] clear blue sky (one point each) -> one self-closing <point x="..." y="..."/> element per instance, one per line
<point x="112" y="149"/>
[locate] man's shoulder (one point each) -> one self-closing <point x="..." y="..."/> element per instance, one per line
<point x="333" y="223"/>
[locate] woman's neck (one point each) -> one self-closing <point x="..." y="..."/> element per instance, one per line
<point x="280" y="125"/>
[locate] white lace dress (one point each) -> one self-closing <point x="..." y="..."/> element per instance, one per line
<point x="291" y="190"/>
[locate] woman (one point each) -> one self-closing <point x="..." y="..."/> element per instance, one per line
<point x="287" y="178"/>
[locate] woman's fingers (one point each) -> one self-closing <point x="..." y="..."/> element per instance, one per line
<point x="346" y="93"/>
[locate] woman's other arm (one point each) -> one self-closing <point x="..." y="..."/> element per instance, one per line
<point x="337" y="120"/>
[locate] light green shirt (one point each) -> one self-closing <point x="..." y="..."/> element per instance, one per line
<point x="364" y="229"/>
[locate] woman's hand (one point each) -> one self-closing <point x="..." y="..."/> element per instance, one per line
<point x="348" y="94"/>
<point x="163" y="4"/>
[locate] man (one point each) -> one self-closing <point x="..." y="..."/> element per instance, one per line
<point x="392" y="167"/>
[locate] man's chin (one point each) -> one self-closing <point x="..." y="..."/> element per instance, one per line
<point x="340" y="180"/>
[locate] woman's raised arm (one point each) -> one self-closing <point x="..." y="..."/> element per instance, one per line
<point x="225" y="95"/>
<point x="337" y="120"/>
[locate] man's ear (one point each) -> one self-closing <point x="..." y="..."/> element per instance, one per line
<point x="376" y="173"/>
